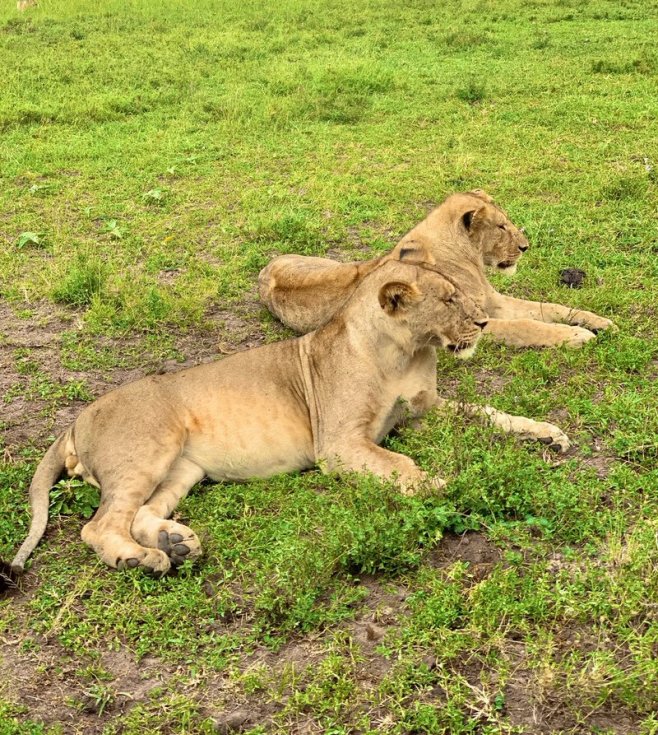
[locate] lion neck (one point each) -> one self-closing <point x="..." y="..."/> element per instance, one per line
<point x="373" y="334"/>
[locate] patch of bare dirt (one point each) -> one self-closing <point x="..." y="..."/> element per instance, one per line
<point x="536" y="700"/>
<point x="600" y="463"/>
<point x="473" y="548"/>
<point x="541" y="703"/>
<point x="239" y="327"/>
<point x="56" y="688"/>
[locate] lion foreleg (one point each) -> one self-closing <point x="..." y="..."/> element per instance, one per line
<point x="499" y="306"/>
<point x="362" y="455"/>
<point x="533" y="333"/>
<point x="151" y="527"/>
<point x="520" y="426"/>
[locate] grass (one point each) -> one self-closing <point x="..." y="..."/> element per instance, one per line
<point x="154" y="158"/>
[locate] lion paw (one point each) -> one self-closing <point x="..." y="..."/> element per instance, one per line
<point x="594" y="323"/>
<point x="552" y="436"/>
<point x="179" y="543"/>
<point x="152" y="560"/>
<point x="578" y="336"/>
<point x="411" y="486"/>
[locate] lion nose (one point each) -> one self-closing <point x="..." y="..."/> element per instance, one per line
<point x="523" y="248"/>
<point x="482" y="324"/>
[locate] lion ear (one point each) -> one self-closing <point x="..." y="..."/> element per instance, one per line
<point x="415" y="252"/>
<point x="468" y="218"/>
<point x="481" y="194"/>
<point x="396" y="296"/>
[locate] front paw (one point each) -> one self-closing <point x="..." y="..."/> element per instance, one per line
<point x="577" y="337"/>
<point x="413" y="485"/>
<point x="593" y="322"/>
<point x="551" y="435"/>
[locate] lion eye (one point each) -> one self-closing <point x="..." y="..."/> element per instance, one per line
<point x="502" y="227"/>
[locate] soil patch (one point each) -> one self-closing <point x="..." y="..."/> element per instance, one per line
<point x="55" y="687"/>
<point x="473" y="548"/>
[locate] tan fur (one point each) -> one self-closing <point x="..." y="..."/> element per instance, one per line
<point x="328" y="397"/>
<point x="460" y="237"/>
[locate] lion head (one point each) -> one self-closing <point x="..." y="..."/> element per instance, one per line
<point x="490" y="230"/>
<point x="432" y="308"/>
<point x="490" y="234"/>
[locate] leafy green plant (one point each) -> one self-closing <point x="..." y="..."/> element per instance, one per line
<point x="33" y="239"/>
<point x="72" y="496"/>
<point x="154" y="196"/>
<point x="111" y="227"/>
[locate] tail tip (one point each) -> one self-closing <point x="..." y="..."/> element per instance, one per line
<point x="9" y="575"/>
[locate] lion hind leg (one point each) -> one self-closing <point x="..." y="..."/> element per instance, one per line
<point x="122" y="495"/>
<point x="150" y="526"/>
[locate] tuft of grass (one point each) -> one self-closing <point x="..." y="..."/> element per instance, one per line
<point x="472" y="92"/>
<point x="83" y="282"/>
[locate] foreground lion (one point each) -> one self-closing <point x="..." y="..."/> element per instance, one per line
<point x="460" y="237"/>
<point x="328" y="397"/>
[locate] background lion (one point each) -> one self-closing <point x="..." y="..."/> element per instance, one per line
<point x="460" y="237"/>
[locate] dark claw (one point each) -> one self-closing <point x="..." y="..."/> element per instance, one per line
<point x="175" y="538"/>
<point x="181" y="549"/>
<point x="546" y="439"/>
<point x="555" y="447"/>
<point x="132" y="562"/>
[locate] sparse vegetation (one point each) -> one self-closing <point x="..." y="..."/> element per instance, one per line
<point x="154" y="157"/>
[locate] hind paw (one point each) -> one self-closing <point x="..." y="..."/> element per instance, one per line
<point x="151" y="560"/>
<point x="179" y="543"/>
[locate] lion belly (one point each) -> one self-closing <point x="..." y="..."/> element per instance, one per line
<point x="239" y="444"/>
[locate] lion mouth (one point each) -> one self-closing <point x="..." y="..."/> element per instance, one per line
<point x="461" y="347"/>
<point x="464" y="349"/>
<point x="506" y="264"/>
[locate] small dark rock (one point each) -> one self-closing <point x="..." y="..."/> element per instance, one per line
<point x="572" y="277"/>
<point x="236" y="721"/>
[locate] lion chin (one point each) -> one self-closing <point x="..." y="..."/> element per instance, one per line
<point x="466" y="353"/>
<point x="463" y="353"/>
<point x="507" y="270"/>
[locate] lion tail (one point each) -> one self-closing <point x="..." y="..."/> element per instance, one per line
<point x="48" y="471"/>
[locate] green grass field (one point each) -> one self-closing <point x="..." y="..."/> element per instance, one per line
<point x="153" y="157"/>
